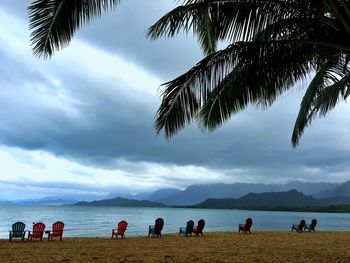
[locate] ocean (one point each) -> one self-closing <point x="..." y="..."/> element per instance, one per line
<point x="81" y="221"/>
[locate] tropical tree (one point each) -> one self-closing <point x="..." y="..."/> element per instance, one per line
<point x="273" y="45"/>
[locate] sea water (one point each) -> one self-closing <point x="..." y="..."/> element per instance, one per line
<point x="84" y="221"/>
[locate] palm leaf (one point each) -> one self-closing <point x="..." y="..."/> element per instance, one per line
<point x="322" y="94"/>
<point x="54" y="22"/>
<point x="230" y="79"/>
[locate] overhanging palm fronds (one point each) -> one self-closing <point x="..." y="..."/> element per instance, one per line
<point x="276" y="43"/>
<point x="53" y="22"/>
<point x="330" y="84"/>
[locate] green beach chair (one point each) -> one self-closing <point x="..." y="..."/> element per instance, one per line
<point x="17" y="231"/>
<point x="187" y="231"/>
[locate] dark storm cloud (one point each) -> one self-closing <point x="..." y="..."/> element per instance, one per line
<point x="123" y="31"/>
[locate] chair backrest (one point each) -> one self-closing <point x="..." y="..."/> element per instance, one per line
<point x="313" y="223"/>
<point x="200" y="226"/>
<point x="158" y="225"/>
<point x="189" y="226"/>
<point x="122" y="225"/>
<point x="57" y="228"/>
<point x="39" y="227"/>
<point x="301" y="224"/>
<point x="248" y="223"/>
<point x="18" y="227"/>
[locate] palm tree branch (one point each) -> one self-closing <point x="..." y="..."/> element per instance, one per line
<point x="321" y="89"/>
<point x="54" y="22"/>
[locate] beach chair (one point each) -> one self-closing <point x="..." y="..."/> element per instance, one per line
<point x="17" y="231"/>
<point x="311" y="227"/>
<point x="122" y="225"/>
<point x="187" y="231"/>
<point x="299" y="228"/>
<point x="199" y="228"/>
<point x="245" y="228"/>
<point x="57" y="230"/>
<point x="156" y="230"/>
<point x="38" y="231"/>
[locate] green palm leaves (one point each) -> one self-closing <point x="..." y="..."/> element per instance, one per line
<point x="53" y="22"/>
<point x="275" y="44"/>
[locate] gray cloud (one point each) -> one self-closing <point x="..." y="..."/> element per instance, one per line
<point x="116" y="121"/>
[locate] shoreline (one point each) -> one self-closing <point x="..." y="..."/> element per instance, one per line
<point x="269" y="246"/>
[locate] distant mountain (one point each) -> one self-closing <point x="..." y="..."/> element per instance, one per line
<point x="163" y="194"/>
<point x="308" y="188"/>
<point x="252" y="200"/>
<point x="46" y="201"/>
<point x="4" y="202"/>
<point x="198" y="193"/>
<point x="140" y="196"/>
<point x="342" y="190"/>
<point x="121" y="202"/>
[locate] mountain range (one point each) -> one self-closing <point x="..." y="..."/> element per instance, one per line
<point x="194" y="194"/>
<point x="121" y="202"/>
<point x="198" y="193"/>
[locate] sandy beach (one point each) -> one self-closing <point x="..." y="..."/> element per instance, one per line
<point x="212" y="247"/>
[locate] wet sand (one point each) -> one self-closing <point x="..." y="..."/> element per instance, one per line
<point x="212" y="247"/>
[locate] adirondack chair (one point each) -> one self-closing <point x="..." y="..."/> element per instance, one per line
<point x="187" y="231"/>
<point x="122" y="225"/>
<point x="156" y="230"/>
<point x="245" y="228"/>
<point x="199" y="228"/>
<point x="17" y="231"/>
<point x="38" y="231"/>
<point x="299" y="228"/>
<point x="57" y="230"/>
<point x="312" y="226"/>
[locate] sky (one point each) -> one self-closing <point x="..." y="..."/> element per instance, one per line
<point x="82" y="122"/>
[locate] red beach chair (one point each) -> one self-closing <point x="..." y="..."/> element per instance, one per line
<point x="122" y="225"/>
<point x="57" y="231"/>
<point x="199" y="228"/>
<point x="38" y="231"/>
<point x="299" y="228"/>
<point x="245" y="227"/>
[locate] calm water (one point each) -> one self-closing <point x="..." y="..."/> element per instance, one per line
<point x="98" y="221"/>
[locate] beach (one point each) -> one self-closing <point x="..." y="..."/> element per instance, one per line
<point x="212" y="247"/>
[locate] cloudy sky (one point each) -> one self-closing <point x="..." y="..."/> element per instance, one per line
<point x="82" y="122"/>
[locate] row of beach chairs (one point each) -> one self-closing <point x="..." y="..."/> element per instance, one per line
<point x="156" y="229"/>
<point x="302" y="226"/>
<point x="18" y="229"/>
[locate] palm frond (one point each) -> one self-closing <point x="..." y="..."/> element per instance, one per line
<point x="231" y="20"/>
<point x="228" y="80"/>
<point x="322" y="94"/>
<point x="263" y="75"/>
<point x="54" y="22"/>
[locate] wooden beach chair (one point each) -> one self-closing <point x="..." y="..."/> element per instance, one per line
<point x="38" y="231"/>
<point x="187" y="231"/>
<point x="17" y="231"/>
<point x="299" y="228"/>
<point x="156" y="230"/>
<point x="199" y="228"/>
<point x="311" y="227"/>
<point x="57" y="230"/>
<point x="120" y="231"/>
<point x="245" y="228"/>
